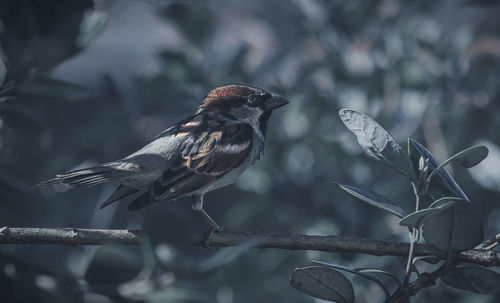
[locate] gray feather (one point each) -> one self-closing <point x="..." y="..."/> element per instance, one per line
<point x="94" y="175"/>
<point x="121" y="192"/>
<point x="141" y="202"/>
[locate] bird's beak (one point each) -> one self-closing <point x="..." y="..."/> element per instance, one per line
<point x="276" y="101"/>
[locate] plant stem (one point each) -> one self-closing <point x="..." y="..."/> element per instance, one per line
<point x="414" y="236"/>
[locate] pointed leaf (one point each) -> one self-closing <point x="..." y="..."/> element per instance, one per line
<point x="373" y="199"/>
<point x="52" y="88"/>
<point x="368" y="276"/>
<point x="379" y="271"/>
<point x="457" y="228"/>
<point x="378" y="143"/>
<point x="468" y="158"/>
<point x="474" y="279"/>
<point x="428" y="259"/>
<point x="416" y="219"/>
<point x="442" y="184"/>
<point x="324" y="283"/>
<point x="441" y="201"/>
<point x="487" y="173"/>
<point x="472" y="156"/>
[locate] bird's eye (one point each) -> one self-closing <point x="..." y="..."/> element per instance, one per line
<point x="252" y="98"/>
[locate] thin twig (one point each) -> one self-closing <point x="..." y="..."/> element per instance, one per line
<point x="413" y="239"/>
<point x="418" y="190"/>
<point x="490" y="243"/>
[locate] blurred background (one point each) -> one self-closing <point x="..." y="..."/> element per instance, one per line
<point x="84" y="82"/>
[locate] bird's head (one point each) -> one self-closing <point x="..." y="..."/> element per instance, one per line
<point x="242" y="104"/>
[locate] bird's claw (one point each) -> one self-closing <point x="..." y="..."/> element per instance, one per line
<point x="220" y="229"/>
<point x="212" y="230"/>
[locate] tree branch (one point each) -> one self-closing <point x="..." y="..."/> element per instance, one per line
<point x="77" y="236"/>
<point x="68" y="236"/>
<point x="425" y="280"/>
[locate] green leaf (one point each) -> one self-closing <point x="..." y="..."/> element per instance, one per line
<point x="456" y="228"/>
<point x="20" y="116"/>
<point x="379" y="271"/>
<point x="472" y="156"/>
<point x="324" y="283"/>
<point x="373" y="199"/>
<point x="3" y="72"/>
<point x="444" y="200"/>
<point x="442" y="185"/>
<point x="474" y="279"/>
<point x="377" y="142"/>
<point x="428" y="259"/>
<point x="468" y="158"/>
<point x="416" y="219"/>
<point x="368" y="276"/>
<point x="52" y="88"/>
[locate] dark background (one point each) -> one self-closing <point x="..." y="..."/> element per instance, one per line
<point x="92" y="82"/>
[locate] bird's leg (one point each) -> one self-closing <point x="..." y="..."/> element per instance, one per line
<point x="197" y="205"/>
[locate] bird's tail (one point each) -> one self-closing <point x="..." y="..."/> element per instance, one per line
<point x="91" y="176"/>
<point x="144" y="200"/>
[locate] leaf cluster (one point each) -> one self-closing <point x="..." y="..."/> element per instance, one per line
<point x="449" y="221"/>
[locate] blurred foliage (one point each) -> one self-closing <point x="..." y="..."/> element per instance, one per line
<point x="90" y="82"/>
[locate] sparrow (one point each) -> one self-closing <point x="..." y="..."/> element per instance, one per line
<point x="201" y="153"/>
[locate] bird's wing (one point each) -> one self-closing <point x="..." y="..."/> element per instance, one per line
<point x="217" y="151"/>
<point x="206" y="156"/>
<point x="154" y="155"/>
<point x="184" y="126"/>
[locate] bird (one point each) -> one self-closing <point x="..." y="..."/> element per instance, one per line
<point x="206" y="151"/>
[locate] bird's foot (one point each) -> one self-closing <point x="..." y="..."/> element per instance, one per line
<point x="212" y="230"/>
